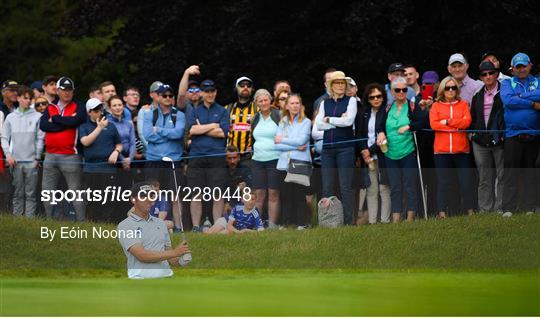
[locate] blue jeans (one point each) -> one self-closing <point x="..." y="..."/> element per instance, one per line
<point x="342" y="161"/>
<point x="403" y="177"/>
<point x="463" y="167"/>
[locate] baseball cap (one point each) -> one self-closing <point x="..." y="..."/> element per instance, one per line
<point x="65" y="83"/>
<point x="208" y="85"/>
<point x="37" y="85"/>
<point x="395" y="67"/>
<point x="243" y="79"/>
<point x="520" y="59"/>
<point x="457" y="57"/>
<point x="193" y="83"/>
<point x="141" y="189"/>
<point x="487" y="66"/>
<point x="350" y="80"/>
<point x="164" y="88"/>
<point x="10" y="84"/>
<point x="430" y="77"/>
<point x="93" y="103"/>
<point x="155" y="86"/>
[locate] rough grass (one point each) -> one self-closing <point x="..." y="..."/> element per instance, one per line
<point x="480" y="242"/>
<point x="479" y="265"/>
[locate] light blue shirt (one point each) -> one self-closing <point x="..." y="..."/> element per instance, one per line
<point x="264" y="134"/>
<point x="167" y="140"/>
<point x="293" y="136"/>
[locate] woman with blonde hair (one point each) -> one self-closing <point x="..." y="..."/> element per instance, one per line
<point x="266" y="177"/>
<point x="447" y="116"/>
<point x="336" y="118"/>
<point x="292" y="141"/>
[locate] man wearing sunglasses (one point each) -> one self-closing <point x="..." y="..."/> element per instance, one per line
<point x="189" y="92"/>
<point x="521" y="98"/>
<point x="491" y="57"/>
<point x="163" y="129"/>
<point x="242" y="112"/>
<point x="60" y="121"/>
<point x="487" y="114"/>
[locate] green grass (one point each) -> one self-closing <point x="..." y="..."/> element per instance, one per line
<point x="279" y="294"/>
<point x="480" y="265"/>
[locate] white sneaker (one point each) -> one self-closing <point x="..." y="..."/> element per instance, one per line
<point x="507" y="214"/>
<point x="529" y="213"/>
<point x="301" y="228"/>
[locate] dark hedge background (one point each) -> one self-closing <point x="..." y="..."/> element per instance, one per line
<point x="137" y="42"/>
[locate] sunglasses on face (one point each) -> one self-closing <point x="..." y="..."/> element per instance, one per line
<point x="451" y="88"/>
<point x="167" y="96"/>
<point x="400" y="90"/>
<point x="194" y="90"/>
<point x="487" y="73"/>
<point x="41" y="104"/>
<point x="282" y="99"/>
<point x="373" y="97"/>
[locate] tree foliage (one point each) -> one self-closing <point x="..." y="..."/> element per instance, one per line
<point x="137" y="42"/>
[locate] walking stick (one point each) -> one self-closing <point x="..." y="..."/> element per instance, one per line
<point x="421" y="176"/>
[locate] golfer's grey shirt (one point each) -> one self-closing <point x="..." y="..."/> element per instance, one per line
<point x="152" y="234"/>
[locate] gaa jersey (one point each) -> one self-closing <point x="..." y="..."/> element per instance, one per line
<point x="240" y="128"/>
<point x="251" y="220"/>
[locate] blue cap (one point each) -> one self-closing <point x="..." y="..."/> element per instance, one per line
<point x="37" y="85"/>
<point x="208" y="85"/>
<point x="164" y="88"/>
<point x="520" y="59"/>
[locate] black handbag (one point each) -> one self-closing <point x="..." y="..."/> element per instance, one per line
<point x="299" y="172"/>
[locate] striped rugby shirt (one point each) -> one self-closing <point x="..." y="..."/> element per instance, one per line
<point x="240" y="131"/>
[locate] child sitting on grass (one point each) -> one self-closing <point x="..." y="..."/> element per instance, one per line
<point x="244" y="217"/>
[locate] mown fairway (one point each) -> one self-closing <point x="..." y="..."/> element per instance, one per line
<point x="480" y="265"/>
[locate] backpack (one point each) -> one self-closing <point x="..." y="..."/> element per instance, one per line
<point x="331" y="216"/>
<point x="155" y="116"/>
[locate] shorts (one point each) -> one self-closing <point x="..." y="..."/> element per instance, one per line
<point x="266" y="175"/>
<point x="221" y="222"/>
<point x="207" y="172"/>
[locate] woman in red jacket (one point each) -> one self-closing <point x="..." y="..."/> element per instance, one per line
<point x="447" y="116"/>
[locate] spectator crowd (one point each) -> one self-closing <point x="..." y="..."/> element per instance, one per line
<point x="419" y="145"/>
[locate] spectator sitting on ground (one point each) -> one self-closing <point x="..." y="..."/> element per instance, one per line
<point x="243" y="217"/>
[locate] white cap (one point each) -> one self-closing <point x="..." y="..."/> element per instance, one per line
<point x="457" y="57"/>
<point x="93" y="103"/>
<point x="243" y="78"/>
<point x="351" y="81"/>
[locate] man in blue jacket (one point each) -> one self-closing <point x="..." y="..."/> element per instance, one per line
<point x="521" y="98"/>
<point x="163" y="129"/>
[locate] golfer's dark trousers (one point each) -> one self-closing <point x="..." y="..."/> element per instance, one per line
<point x="403" y="177"/>
<point x="340" y="160"/>
<point x="448" y="165"/>
<point x="520" y="153"/>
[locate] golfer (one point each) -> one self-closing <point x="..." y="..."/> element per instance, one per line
<point x="148" y="250"/>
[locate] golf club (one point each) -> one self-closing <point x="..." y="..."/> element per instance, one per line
<point x="185" y="258"/>
<point x="421" y="176"/>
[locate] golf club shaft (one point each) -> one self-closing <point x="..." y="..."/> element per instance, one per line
<point x="178" y="202"/>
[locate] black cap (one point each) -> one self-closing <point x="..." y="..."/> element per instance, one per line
<point x="394" y="67"/>
<point x="193" y="83"/>
<point x="164" y="88"/>
<point x="9" y="84"/>
<point x="208" y="85"/>
<point x="141" y="187"/>
<point x="487" y="66"/>
<point x="65" y="83"/>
